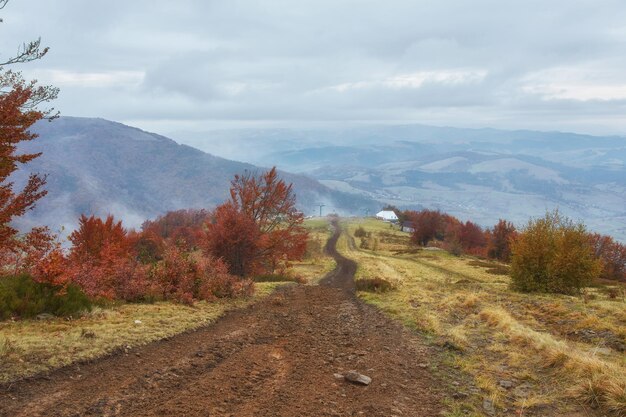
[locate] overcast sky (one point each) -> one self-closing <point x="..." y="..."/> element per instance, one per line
<point x="184" y="66"/>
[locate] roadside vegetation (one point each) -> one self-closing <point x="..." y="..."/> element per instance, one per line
<point x="30" y="347"/>
<point x="506" y="352"/>
<point x="87" y="330"/>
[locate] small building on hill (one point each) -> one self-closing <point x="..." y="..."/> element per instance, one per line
<point x="408" y="227"/>
<point x="387" y="215"/>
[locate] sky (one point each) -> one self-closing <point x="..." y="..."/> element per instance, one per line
<point x="183" y="67"/>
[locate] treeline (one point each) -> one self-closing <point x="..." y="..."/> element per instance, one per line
<point x="433" y="227"/>
<point x="551" y="253"/>
<point x="182" y="256"/>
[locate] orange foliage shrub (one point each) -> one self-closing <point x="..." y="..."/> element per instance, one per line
<point x="553" y="254"/>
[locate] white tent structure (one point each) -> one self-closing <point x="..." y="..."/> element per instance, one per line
<point x="387" y="215"/>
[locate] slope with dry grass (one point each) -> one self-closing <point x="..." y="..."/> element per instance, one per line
<point x="523" y="354"/>
<point x="29" y="347"/>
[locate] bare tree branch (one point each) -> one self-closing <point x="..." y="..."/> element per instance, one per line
<point x="30" y="51"/>
<point x="27" y="52"/>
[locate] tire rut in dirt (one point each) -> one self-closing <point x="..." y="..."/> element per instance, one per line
<point x="343" y="274"/>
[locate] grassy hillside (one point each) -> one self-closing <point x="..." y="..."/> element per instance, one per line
<point x="516" y="353"/>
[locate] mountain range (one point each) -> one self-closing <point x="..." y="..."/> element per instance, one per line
<point x="95" y="166"/>
<point x="475" y="174"/>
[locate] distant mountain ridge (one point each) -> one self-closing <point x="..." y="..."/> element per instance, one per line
<point x="95" y="166"/>
<point x="477" y="174"/>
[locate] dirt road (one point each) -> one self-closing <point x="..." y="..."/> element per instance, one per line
<point x="276" y="358"/>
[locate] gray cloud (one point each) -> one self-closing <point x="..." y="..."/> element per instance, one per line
<point x="552" y="65"/>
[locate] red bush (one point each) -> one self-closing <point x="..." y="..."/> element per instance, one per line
<point x="612" y="254"/>
<point x="215" y="281"/>
<point x="182" y="227"/>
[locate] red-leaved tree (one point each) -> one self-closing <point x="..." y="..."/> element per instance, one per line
<point x="259" y="229"/>
<point x="612" y="254"/>
<point x="101" y="262"/>
<point x="18" y="112"/>
<point x="499" y="240"/>
<point x="181" y="227"/>
<point x="20" y="108"/>
<point x="428" y="225"/>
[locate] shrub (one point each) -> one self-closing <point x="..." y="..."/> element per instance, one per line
<point x="373" y="285"/>
<point x="216" y="282"/>
<point x="70" y="302"/>
<point x="454" y="247"/>
<point x="113" y="278"/>
<point x="314" y="248"/>
<point x="553" y="254"/>
<point x="175" y="277"/>
<point x="21" y="296"/>
<point x="360" y="232"/>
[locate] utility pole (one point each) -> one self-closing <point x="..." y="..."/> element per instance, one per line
<point x="321" y="205"/>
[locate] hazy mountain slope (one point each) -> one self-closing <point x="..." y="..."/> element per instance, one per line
<point x="479" y="174"/>
<point x="487" y="187"/>
<point x="97" y="166"/>
<point x="277" y="145"/>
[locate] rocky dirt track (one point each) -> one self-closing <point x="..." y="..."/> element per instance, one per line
<point x="276" y="358"/>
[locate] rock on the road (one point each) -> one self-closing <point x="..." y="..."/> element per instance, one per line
<point x="357" y="378"/>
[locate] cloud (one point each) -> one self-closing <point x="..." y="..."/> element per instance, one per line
<point x="577" y="84"/>
<point x="416" y="80"/>
<point x="62" y="78"/>
<point x="205" y="63"/>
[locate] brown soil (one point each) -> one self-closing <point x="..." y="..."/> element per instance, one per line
<point x="276" y="358"/>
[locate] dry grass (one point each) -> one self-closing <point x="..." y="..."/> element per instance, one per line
<point x="558" y="352"/>
<point x="30" y="347"/>
<point x="316" y="263"/>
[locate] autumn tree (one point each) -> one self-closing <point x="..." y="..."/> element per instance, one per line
<point x="100" y="260"/>
<point x="553" y="254"/>
<point x="236" y="238"/>
<point x="469" y="236"/>
<point x="180" y="227"/>
<point x="259" y="228"/>
<point x="428" y="225"/>
<point x="20" y="108"/>
<point x="611" y="254"/>
<point x="500" y="236"/>
<point x="95" y="236"/>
